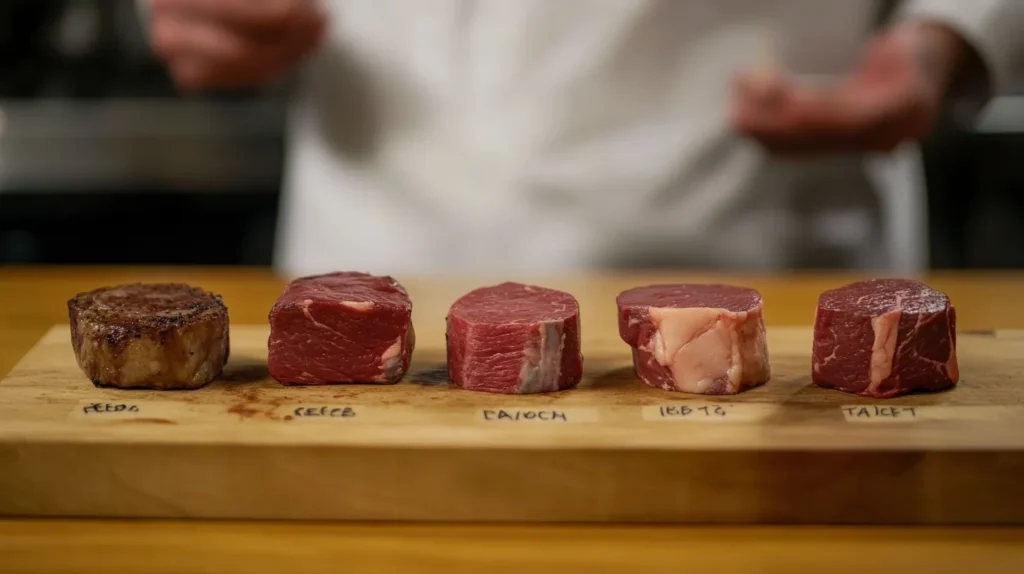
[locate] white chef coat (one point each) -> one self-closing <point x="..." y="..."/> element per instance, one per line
<point x="483" y="136"/>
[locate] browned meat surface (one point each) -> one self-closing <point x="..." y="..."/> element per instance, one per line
<point x="161" y="336"/>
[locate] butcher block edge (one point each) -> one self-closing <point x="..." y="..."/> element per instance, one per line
<point x="422" y="450"/>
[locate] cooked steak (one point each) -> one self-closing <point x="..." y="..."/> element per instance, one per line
<point x="515" y="339"/>
<point x="341" y="328"/>
<point x="883" y="338"/>
<point x="703" y="339"/>
<point x="161" y="336"/>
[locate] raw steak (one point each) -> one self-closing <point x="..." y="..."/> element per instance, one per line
<point x="703" y="339"/>
<point x="883" y="338"/>
<point x="515" y="339"/>
<point x="161" y="336"/>
<point x="341" y="328"/>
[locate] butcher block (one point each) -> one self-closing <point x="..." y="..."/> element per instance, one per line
<point x="610" y="450"/>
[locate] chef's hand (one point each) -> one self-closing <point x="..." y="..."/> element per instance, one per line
<point x="892" y="97"/>
<point x="233" y="43"/>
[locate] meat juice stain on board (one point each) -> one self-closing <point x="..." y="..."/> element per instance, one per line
<point x="252" y="403"/>
<point x="247" y="401"/>
<point x="244" y="411"/>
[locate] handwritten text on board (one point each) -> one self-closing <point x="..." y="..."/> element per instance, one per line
<point x="876" y="413"/>
<point x="105" y="408"/>
<point x="327" y="411"/>
<point x="164" y="411"/>
<point x="321" y="413"/>
<point x="707" y="412"/>
<point x="554" y="416"/>
<point x="910" y="414"/>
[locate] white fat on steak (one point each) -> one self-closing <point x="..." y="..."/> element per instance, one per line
<point x="884" y="348"/>
<point x="704" y="346"/>
<point x="542" y="359"/>
<point x="886" y="328"/>
<point x="364" y="306"/>
<point x="391" y="359"/>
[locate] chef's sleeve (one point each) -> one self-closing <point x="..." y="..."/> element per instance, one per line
<point x="994" y="28"/>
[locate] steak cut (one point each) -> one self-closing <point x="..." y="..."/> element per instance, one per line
<point x="515" y="339"/>
<point x="694" y="338"/>
<point x="884" y="337"/>
<point x="160" y="336"/>
<point x="341" y="328"/>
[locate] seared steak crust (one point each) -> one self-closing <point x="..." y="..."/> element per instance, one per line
<point x="162" y="336"/>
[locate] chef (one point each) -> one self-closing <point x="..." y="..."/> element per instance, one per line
<point x="443" y="136"/>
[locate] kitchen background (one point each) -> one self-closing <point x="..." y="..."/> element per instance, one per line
<point x="102" y="161"/>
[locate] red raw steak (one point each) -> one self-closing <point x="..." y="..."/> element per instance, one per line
<point x="885" y="337"/>
<point x="515" y="339"/>
<point x="341" y="328"/>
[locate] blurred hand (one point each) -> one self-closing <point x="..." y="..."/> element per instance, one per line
<point x="893" y="96"/>
<point x="233" y="43"/>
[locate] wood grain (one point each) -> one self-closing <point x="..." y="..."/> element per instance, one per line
<point x="34" y="300"/>
<point x="130" y="547"/>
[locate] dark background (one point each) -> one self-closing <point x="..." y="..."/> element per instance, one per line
<point x="101" y="161"/>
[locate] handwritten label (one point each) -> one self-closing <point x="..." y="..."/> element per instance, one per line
<point x="876" y="413"/>
<point x="108" y="408"/>
<point x="907" y="414"/>
<point x="552" y="416"/>
<point x="707" y="412"/>
<point x="147" y="411"/>
<point x="323" y="413"/>
<point x="686" y="411"/>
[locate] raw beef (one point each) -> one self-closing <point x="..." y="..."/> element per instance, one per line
<point x="515" y="339"/>
<point x="703" y="339"/>
<point x="161" y="336"/>
<point x="341" y="328"/>
<point x="883" y="338"/>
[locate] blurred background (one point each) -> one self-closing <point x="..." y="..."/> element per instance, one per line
<point x="95" y="142"/>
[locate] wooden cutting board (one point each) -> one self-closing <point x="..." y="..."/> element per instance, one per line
<point x="610" y="450"/>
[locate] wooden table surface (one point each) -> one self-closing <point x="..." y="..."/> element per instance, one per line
<point x="35" y="298"/>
